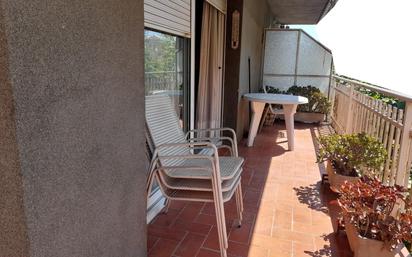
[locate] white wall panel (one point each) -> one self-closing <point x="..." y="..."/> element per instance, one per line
<point x="280" y="52"/>
<point x="313" y="58"/>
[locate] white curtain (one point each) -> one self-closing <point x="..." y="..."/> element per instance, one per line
<point x="209" y="100"/>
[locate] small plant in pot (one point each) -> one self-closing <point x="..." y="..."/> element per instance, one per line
<point x="317" y="107"/>
<point x="350" y="156"/>
<point x="378" y="218"/>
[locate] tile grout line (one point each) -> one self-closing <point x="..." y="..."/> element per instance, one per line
<point x="177" y="246"/>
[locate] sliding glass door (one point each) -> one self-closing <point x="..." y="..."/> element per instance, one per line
<point x="167" y="73"/>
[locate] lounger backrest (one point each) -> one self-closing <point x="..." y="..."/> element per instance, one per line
<point x="163" y="124"/>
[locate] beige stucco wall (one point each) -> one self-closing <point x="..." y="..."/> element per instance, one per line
<point x="72" y="107"/>
<point x="256" y="16"/>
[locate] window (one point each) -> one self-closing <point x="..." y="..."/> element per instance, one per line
<point x="167" y="70"/>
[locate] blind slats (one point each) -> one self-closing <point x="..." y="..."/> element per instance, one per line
<point x="172" y="16"/>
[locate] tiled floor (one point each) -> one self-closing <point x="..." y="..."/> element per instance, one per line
<point x="286" y="207"/>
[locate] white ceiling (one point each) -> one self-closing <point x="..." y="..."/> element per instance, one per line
<point x="300" y="11"/>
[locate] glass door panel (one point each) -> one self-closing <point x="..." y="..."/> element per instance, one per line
<point x="167" y="73"/>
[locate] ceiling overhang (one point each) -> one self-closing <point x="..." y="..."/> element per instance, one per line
<point x="300" y="11"/>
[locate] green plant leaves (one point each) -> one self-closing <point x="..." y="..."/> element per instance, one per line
<point x="355" y="151"/>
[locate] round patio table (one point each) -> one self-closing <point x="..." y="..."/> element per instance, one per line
<point x="289" y="103"/>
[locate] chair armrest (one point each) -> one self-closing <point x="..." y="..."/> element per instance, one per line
<point x="232" y="147"/>
<point x="214" y="159"/>
<point x="198" y="145"/>
<point x="232" y="132"/>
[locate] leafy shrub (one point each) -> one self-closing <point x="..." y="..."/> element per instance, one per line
<point x="318" y="102"/>
<point x="274" y="90"/>
<point x="352" y="153"/>
<point x="369" y="206"/>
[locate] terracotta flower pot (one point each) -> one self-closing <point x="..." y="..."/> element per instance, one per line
<point x="336" y="180"/>
<point x="352" y="234"/>
<point x="363" y="247"/>
<point x="309" y="117"/>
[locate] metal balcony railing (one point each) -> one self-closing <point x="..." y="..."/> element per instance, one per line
<point x="354" y="112"/>
<point x="164" y="80"/>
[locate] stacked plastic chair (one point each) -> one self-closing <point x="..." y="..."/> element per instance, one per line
<point x="189" y="168"/>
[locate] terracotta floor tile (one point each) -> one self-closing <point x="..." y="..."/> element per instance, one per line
<point x="164" y="248"/>
<point x="238" y="249"/>
<point x="242" y="234"/>
<point x="194" y="227"/>
<point x="190" y="211"/>
<point x="177" y="205"/>
<point x="212" y="240"/>
<point x="283" y="219"/>
<point x="206" y="219"/>
<point x="207" y="253"/>
<point x="301" y="249"/>
<point x="190" y="245"/>
<point x="166" y="233"/>
<point x="263" y="225"/>
<point x="255" y="251"/>
<point x="292" y="235"/>
<point x="166" y="219"/>
<point x="151" y="241"/>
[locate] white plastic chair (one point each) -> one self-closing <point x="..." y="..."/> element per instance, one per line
<point x="269" y="109"/>
<point x="190" y="169"/>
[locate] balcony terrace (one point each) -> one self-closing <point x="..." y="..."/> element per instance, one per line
<point x="287" y="209"/>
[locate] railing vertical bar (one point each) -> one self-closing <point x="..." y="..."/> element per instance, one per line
<point x="382" y="121"/>
<point x="354" y="112"/>
<point x="374" y="117"/>
<point x="390" y="145"/>
<point x="404" y="146"/>
<point x="408" y="166"/>
<point x="396" y="146"/>
<point x="361" y="112"/>
<point x="368" y="115"/>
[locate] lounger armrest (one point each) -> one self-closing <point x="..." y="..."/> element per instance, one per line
<point x="230" y="130"/>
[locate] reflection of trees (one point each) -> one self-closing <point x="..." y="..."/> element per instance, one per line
<point x="160" y="52"/>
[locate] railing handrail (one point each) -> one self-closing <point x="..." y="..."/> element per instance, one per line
<point x="384" y="91"/>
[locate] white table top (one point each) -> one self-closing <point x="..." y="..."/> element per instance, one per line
<point x="275" y="98"/>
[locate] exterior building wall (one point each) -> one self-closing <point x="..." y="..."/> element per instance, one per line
<point x="255" y="18"/>
<point x="72" y="107"/>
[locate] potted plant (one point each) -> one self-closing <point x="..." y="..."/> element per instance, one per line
<point x="374" y="222"/>
<point x="350" y="156"/>
<point x="317" y="107"/>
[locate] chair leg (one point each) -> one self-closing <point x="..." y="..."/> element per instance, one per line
<point x="221" y="229"/>
<point x="240" y="197"/>
<point x="220" y="216"/>
<point x="262" y="121"/>
<point x="167" y="205"/>
<point x="239" y="204"/>
<point x="274" y="120"/>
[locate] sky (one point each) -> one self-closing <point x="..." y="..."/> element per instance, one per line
<point x="371" y="40"/>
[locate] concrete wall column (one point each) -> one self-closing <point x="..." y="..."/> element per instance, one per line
<point x="72" y="165"/>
